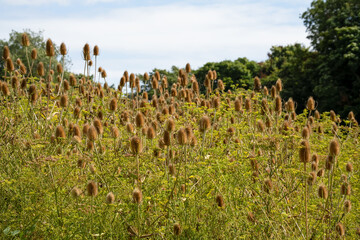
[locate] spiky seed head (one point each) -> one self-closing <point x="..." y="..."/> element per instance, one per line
<point x="60" y="133"/>
<point x="321" y="172"/>
<point x="110" y="198"/>
<point x="349" y="167"/>
<point x="96" y="50"/>
<point x="315" y="158"/>
<point x="237" y="105"/>
<point x="40" y="69"/>
<point x="90" y="145"/>
<point x="216" y="102"/>
<point x="86" y="52"/>
<point x="139" y="120"/>
<point x="304" y="151"/>
<point x="75" y="192"/>
<point x="50" y="51"/>
<point x="6" y="53"/>
<point x="220" y="201"/>
<point x="135" y="145"/>
<point x="113" y="104"/>
<point x="146" y="77"/>
<point x="137" y="196"/>
<point x="167" y="138"/>
<point x="9" y="65"/>
<point x="98" y="125"/>
<point x="92" y="133"/>
<point x="204" y="123"/>
<point x="64" y="101"/>
<point x="260" y="125"/>
<point x="92" y="189"/>
<point x="278" y="85"/>
<point x="347" y="206"/>
<point x="257" y="84"/>
<point x="314" y="166"/>
<point x="345" y="189"/>
<point x="33" y="54"/>
<point x="305" y="133"/>
<point x="312" y="178"/>
<point x="310" y="105"/>
<point x="317" y="114"/>
<point x="267" y="185"/>
<point x="340" y="229"/>
<point x="182" y="137"/>
<point x="171" y="169"/>
<point x="170" y="125"/>
<point x="322" y="191"/>
<point x="278" y="105"/>
<point x="15" y="82"/>
<point x="334" y="147"/>
<point x="188" y="68"/>
<point x="332" y="116"/>
<point x="115" y="132"/>
<point x="129" y="128"/>
<point x="25" y="40"/>
<point x="248" y="104"/>
<point x="177" y="229"/>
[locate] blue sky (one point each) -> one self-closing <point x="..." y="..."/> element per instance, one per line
<point x="140" y="35"/>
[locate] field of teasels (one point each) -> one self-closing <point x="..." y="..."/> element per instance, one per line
<point x="80" y="160"/>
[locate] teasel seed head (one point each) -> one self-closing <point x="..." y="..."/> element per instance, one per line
<point x="188" y="68"/>
<point x="278" y="85"/>
<point x="40" y="69"/>
<point x="113" y="104"/>
<point x="75" y="192"/>
<point x="334" y="147"/>
<point x="317" y="114"/>
<point x="340" y="229"/>
<point x="248" y="104"/>
<point x="50" y="51"/>
<point x="25" y="40"/>
<point x="237" y="105"/>
<point x="314" y="166"/>
<point x="171" y="169"/>
<point x="86" y="52"/>
<point x="64" y="101"/>
<point x="305" y="133"/>
<point x="150" y="133"/>
<point x="321" y="172"/>
<point x="304" y="151"/>
<point x="6" y="53"/>
<point x="278" y="105"/>
<point x="349" y="167"/>
<point x="267" y="185"/>
<point x="177" y="229"/>
<point x="60" y="133"/>
<point x="332" y="116"/>
<point x="137" y="196"/>
<point x="96" y="50"/>
<point x="182" y="137"/>
<point x="345" y="189"/>
<point x="110" y="198"/>
<point x="220" y="201"/>
<point x="310" y="104"/>
<point x="92" y="189"/>
<point x="257" y="84"/>
<point x="204" y="123"/>
<point x="98" y="125"/>
<point x="347" y="206"/>
<point x="311" y="179"/>
<point x="91" y="133"/>
<point x="115" y="132"/>
<point x="90" y="145"/>
<point x="136" y="145"/>
<point x="9" y="65"/>
<point x="322" y="191"/>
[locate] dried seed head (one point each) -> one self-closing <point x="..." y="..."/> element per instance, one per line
<point x="305" y="133"/>
<point x="248" y="104"/>
<point x="317" y="115"/>
<point x="129" y="128"/>
<point x="220" y="201"/>
<point x="323" y="193"/>
<point x="33" y="54"/>
<point x="170" y="125"/>
<point x="310" y="104"/>
<point x="139" y="120"/>
<point x="257" y="84"/>
<point x="349" y="167"/>
<point x="64" y="101"/>
<point x="278" y="85"/>
<point x="9" y="65"/>
<point x="135" y="145"/>
<point x="92" y="189"/>
<point x="137" y="196"/>
<point x="334" y="147"/>
<point x="204" y="124"/>
<point x="15" y="82"/>
<point x="75" y="192"/>
<point x="314" y="166"/>
<point x="150" y="133"/>
<point x="91" y="133"/>
<point x="237" y="105"/>
<point x="177" y="229"/>
<point x="115" y="132"/>
<point x="182" y="137"/>
<point x="113" y="104"/>
<point x="60" y="133"/>
<point x="25" y="40"/>
<point x="188" y="68"/>
<point x="267" y="185"/>
<point x="40" y="69"/>
<point x="340" y="229"/>
<point x="171" y="169"/>
<point x="332" y="116"/>
<point x="311" y="179"/>
<point x="6" y="53"/>
<point x="304" y="151"/>
<point x="321" y="172"/>
<point x="86" y="52"/>
<point x="347" y="206"/>
<point x="96" y="50"/>
<point x="345" y="189"/>
<point x="110" y="198"/>
<point x="278" y="105"/>
<point x="50" y="51"/>
<point x="98" y="125"/>
<point x="315" y="158"/>
<point x="167" y="138"/>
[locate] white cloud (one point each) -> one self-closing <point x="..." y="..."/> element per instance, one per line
<point x="141" y="38"/>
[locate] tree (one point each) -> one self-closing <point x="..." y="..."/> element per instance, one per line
<point x="36" y="41"/>
<point x="334" y="31"/>
<point x="238" y="73"/>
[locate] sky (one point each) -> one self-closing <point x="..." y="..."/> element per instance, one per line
<point x="139" y="36"/>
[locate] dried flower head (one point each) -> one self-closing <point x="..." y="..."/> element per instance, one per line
<point x="137" y="196"/>
<point x="135" y="145"/>
<point x="92" y="189"/>
<point x="304" y="151"/>
<point x="110" y="198"/>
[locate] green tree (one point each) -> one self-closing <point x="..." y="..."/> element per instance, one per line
<point x="36" y="41"/>
<point x="334" y="31"/>
<point x="238" y="73"/>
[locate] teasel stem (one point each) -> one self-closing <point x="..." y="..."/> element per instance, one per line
<point x="306" y="218"/>
<point x="48" y="90"/>
<point x="62" y="75"/>
<point x="212" y="128"/>
<point x="27" y="57"/>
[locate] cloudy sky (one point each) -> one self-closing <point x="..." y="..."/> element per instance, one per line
<point x="139" y="35"/>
